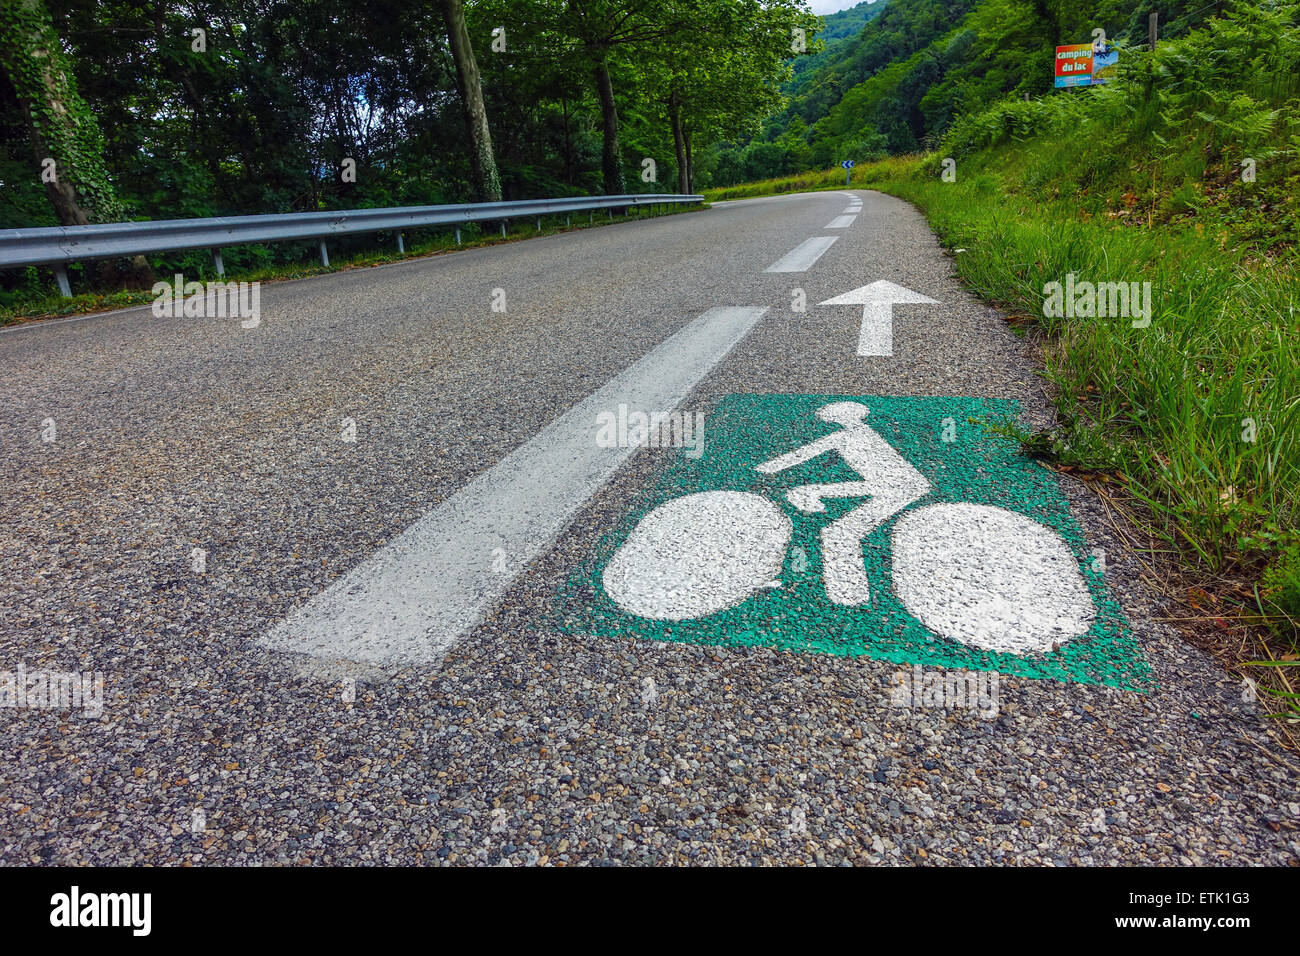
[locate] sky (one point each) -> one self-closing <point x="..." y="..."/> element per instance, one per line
<point x="830" y="6"/>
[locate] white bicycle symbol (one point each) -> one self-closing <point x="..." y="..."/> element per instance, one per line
<point x="985" y="576"/>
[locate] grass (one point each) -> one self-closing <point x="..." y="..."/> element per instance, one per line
<point x="1197" y="415"/>
<point x="814" y="181"/>
<point x="39" y="300"/>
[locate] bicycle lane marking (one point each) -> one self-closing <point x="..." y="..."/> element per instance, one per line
<point x="946" y="547"/>
<point x="413" y="598"/>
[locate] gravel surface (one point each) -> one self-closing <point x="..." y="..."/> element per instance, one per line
<point x="526" y="745"/>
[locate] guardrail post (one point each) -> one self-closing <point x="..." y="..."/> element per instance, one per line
<point x="458" y="235"/>
<point x="61" y="277"/>
<point x="539" y="223"/>
<point x="401" y="246"/>
<point x="568" y="219"/>
<point x="218" y="264"/>
<point x="324" y="255"/>
<point x="503" y="228"/>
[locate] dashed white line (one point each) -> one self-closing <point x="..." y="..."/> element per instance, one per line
<point x="802" y="257"/>
<point x="413" y="598"/>
<point x="841" y="222"/>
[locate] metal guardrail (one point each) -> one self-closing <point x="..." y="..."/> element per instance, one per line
<point x="56" y="246"/>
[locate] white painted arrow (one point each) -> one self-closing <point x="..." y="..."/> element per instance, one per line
<point x="878" y="300"/>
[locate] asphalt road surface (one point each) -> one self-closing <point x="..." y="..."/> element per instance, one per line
<point x="388" y="578"/>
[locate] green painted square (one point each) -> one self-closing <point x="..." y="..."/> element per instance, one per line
<point x="976" y="467"/>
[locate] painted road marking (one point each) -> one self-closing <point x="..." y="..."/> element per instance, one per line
<point x="417" y="595"/>
<point x="890" y="527"/>
<point x="876" y="337"/>
<point x="703" y="552"/>
<point x="887" y="480"/>
<point x="802" y="257"/>
<point x="841" y="222"/>
<point x="853" y="209"/>
<point x="741" y="547"/>
<point x="1036" y="600"/>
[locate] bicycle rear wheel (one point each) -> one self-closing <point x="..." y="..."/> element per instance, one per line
<point x="697" y="555"/>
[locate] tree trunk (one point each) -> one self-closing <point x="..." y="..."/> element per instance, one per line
<point x="568" y="143"/>
<point x="610" y="160"/>
<point x="60" y="124"/>
<point x="487" y="184"/>
<point x="690" y="161"/>
<point x="62" y="194"/>
<point x="679" y="142"/>
<point x="61" y="128"/>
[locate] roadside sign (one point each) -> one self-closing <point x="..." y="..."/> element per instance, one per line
<point x="1085" y="64"/>
<point x="847" y="164"/>
<point x="888" y="527"/>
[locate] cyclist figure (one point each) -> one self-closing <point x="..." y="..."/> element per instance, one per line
<point x="887" y="479"/>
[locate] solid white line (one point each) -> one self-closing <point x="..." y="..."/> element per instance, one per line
<point x="841" y="222"/>
<point x="412" y="599"/>
<point x="802" y="257"/>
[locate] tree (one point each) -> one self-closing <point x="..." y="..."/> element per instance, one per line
<point x="61" y="127"/>
<point x="605" y="30"/>
<point x="720" y="76"/>
<point x="487" y="183"/>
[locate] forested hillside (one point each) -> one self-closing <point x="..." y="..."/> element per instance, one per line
<point x="838" y="29"/>
<point x="901" y="82"/>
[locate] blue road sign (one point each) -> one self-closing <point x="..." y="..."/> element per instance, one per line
<point x="847" y="164"/>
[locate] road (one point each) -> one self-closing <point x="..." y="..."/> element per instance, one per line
<point x="364" y="589"/>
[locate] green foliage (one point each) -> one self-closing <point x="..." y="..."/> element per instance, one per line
<point x="63" y="126"/>
<point x="1015" y="119"/>
<point x="837" y="30"/>
<point x="921" y="66"/>
<point x="1281" y="581"/>
<point x="262" y="120"/>
<point x="863" y="100"/>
